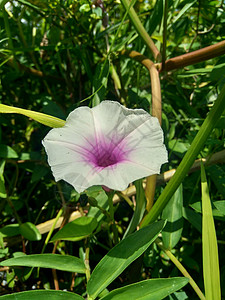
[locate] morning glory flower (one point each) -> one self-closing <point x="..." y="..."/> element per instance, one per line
<point x="108" y="145"/>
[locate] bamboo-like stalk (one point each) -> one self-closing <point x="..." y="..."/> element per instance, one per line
<point x="156" y="112"/>
<point x="156" y="109"/>
<point x="141" y="30"/>
<point x="195" y="56"/>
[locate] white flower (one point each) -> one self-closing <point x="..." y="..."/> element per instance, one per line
<point x="108" y="145"/>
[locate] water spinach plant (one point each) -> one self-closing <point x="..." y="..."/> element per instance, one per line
<point x="85" y="212"/>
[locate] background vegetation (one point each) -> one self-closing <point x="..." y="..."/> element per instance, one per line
<point x="58" y="55"/>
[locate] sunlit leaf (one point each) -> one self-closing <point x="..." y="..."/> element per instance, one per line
<point x="39" y="117"/>
<point x="152" y="289"/>
<point x="2" y="180"/>
<point x="211" y="272"/>
<point x="39" y="294"/>
<point x="54" y="261"/>
<point x="7" y="152"/>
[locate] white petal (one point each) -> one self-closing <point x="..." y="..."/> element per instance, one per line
<point x="75" y="150"/>
<point x="110" y="117"/>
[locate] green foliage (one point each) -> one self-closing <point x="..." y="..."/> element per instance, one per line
<point x="58" y="55"/>
<point x="121" y="256"/>
<point x="174" y="216"/>
<point x="66" y="262"/>
<point x="211" y="270"/>
<point x="76" y="230"/>
<point x="152" y="289"/>
<point x="36" y="295"/>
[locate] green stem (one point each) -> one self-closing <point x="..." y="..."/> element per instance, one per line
<point x="111" y="212"/>
<point x="140" y="29"/>
<point x="164" y="34"/>
<point x="86" y="261"/>
<point x="52" y="229"/>
<point x="182" y="269"/>
<point x="188" y="159"/>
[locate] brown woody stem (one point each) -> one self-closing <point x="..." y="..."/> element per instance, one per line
<point x="156" y="112"/>
<point x="195" y="57"/>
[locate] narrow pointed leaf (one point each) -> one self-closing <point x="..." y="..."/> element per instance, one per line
<point x="152" y="289"/>
<point x="39" y="117"/>
<point x="211" y="272"/>
<point x="54" y="261"/>
<point x="121" y="256"/>
<point x="42" y="294"/>
<point x="173" y="213"/>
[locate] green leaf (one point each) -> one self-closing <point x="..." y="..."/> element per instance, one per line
<point x="10" y="230"/>
<point x="30" y="231"/>
<point x="40" y="4"/>
<point x="182" y="11"/>
<point x="211" y="271"/>
<point x="53" y="261"/>
<point x="217" y="174"/>
<point x="197" y="206"/>
<point x="39" y="117"/>
<point x="173" y="213"/>
<point x="217" y="72"/>
<point x="7" y="152"/>
<point x="156" y="17"/>
<point x="139" y="209"/>
<point x="42" y="294"/>
<point x="76" y="230"/>
<point x="121" y="256"/>
<point x="152" y="289"/>
<point x="39" y="172"/>
<point x="100" y="196"/>
<point x="2" y="187"/>
<point x="194" y="218"/>
<point x="2" y="180"/>
<point x="178" y="147"/>
<point x="220" y="205"/>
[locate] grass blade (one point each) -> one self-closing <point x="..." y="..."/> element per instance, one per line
<point x="211" y="271"/>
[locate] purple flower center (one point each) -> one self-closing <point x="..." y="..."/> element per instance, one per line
<point x="102" y="154"/>
<point x="105" y="158"/>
